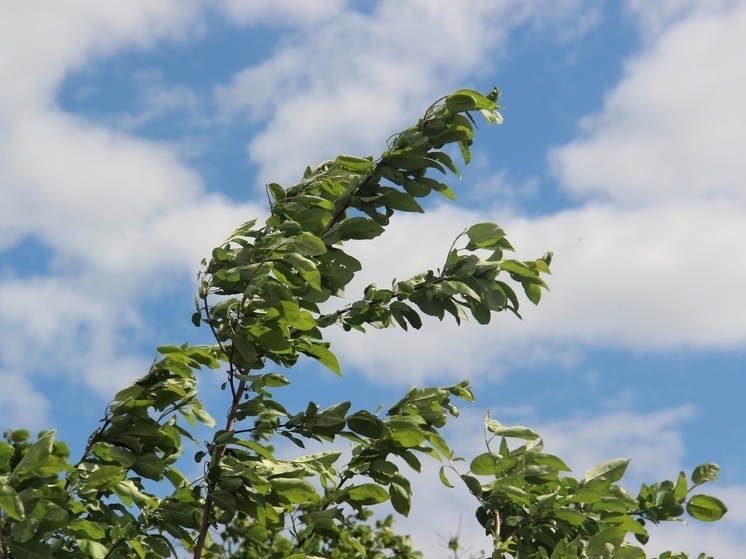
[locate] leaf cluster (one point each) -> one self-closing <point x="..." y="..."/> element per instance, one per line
<point x="533" y="510"/>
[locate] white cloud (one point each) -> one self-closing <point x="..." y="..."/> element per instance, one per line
<point x="286" y="13"/>
<point x="652" y="279"/>
<point x="655" y="17"/>
<point x="673" y="128"/>
<point x="21" y="405"/>
<point x="343" y="85"/>
<point x="117" y="213"/>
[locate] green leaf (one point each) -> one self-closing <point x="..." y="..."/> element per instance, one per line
<point x="81" y="528"/>
<point x="258" y="448"/>
<point x="366" y="424"/>
<point x="36" y="455"/>
<point x="473" y="484"/>
<point x="706" y="508"/>
<point x="224" y="500"/>
<point x="460" y="102"/>
<point x="612" y="470"/>
<point x="30" y="550"/>
<point x="397" y="200"/>
<point x="306" y="267"/>
<point x="295" y="490"/>
<point x="478" y="100"/>
<point x="10" y="503"/>
<point x="681" y="490"/>
<point x="203" y="417"/>
<point x="600" y="544"/>
<point x="322" y="354"/>
<point x="401" y="498"/>
<point x="485" y="464"/>
<point x="705" y="472"/>
<point x="93" y="549"/>
<point x="446" y="160"/>
<point x="308" y="244"/>
<point x="104" y="477"/>
<point x="485" y="235"/>
<point x="443" y="478"/>
<point x="366" y="494"/>
<point x="515" y="431"/>
<point x="358" y="228"/>
<point x="245" y="347"/>
<point x="572" y="516"/>
<point x="355" y="164"/>
<point x="6" y="452"/>
<point x="23" y="531"/>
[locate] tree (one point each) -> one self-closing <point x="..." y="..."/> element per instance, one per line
<point x="260" y="295"/>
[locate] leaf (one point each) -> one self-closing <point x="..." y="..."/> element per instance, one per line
<point x="477" y="99"/>
<point x="355" y="164"/>
<point x="366" y="494"/>
<point x="397" y="200"/>
<point x="705" y="472"/>
<point x="104" y="477"/>
<point x="203" y="417"/>
<point x="401" y="498"/>
<point x="322" y="354"/>
<point x="443" y="478"/>
<point x="366" y="424"/>
<point x="93" y="549"/>
<point x="485" y="464"/>
<point x="359" y="228"/>
<point x="681" y="490"/>
<point x="473" y="484"/>
<point x="600" y="544"/>
<point x="36" y="455"/>
<point x="294" y="490"/>
<point x="515" y="431"/>
<point x="308" y="244"/>
<point x="10" y="503"/>
<point x="485" y="235"/>
<point x="706" y="508"/>
<point x="306" y="267"/>
<point x="245" y="348"/>
<point x="30" y="550"/>
<point x="224" y="500"/>
<point x="572" y="516"/>
<point x="258" y="448"/>
<point x="612" y="470"/>
<point x="6" y="452"/>
<point x="81" y="528"/>
<point x="446" y="160"/>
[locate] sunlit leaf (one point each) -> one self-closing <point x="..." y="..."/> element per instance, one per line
<point x="706" y="508"/>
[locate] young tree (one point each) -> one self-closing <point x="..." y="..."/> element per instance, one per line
<point x="260" y="295"/>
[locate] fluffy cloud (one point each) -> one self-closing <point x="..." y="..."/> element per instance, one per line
<point x="21" y="406"/>
<point x="115" y="212"/>
<point x="320" y="99"/>
<point x="672" y="129"/>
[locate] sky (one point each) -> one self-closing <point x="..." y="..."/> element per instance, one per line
<point x="135" y="136"/>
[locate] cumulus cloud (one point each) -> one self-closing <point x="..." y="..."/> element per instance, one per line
<point x="344" y="85"/>
<point x="21" y="405"/>
<point x="115" y="212"/>
<point x="672" y="129"/>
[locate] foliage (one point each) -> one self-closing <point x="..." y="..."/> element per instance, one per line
<point x="265" y="295"/>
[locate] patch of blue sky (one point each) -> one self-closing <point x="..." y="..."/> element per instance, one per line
<point x="28" y="257"/>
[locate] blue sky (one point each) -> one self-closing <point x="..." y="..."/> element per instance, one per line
<point x="134" y="136"/>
